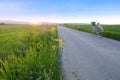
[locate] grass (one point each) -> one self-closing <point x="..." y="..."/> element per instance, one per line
<point x="29" y="53"/>
<point x="110" y="31"/>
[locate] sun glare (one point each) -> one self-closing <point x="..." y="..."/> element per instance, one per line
<point x="34" y="22"/>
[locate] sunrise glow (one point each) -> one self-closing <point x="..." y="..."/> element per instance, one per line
<point x="34" y="22"/>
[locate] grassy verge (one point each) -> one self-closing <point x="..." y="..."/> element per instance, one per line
<point x="110" y="31"/>
<point x="29" y="53"/>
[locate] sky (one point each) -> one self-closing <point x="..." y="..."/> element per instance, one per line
<point x="61" y="11"/>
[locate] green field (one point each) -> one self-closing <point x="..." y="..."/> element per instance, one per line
<point x="29" y="52"/>
<point x="110" y="31"/>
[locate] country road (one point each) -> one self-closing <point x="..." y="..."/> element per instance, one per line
<point x="90" y="57"/>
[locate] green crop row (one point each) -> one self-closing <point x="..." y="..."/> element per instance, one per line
<point x="29" y="53"/>
<point x="110" y="31"/>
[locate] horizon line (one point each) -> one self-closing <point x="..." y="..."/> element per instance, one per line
<point x="50" y="22"/>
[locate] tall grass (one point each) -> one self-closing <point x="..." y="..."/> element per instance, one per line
<point x="110" y="31"/>
<point x="27" y="53"/>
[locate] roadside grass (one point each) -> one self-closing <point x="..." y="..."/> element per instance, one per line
<point x="110" y="31"/>
<point x="29" y="53"/>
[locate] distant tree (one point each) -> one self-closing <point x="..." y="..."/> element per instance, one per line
<point x="2" y="23"/>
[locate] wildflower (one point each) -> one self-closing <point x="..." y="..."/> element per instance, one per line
<point x="54" y="47"/>
<point x="57" y="40"/>
<point x="61" y="44"/>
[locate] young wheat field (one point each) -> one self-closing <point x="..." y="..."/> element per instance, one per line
<point x="110" y="31"/>
<point x="29" y="52"/>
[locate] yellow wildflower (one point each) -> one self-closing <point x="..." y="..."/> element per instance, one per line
<point x="54" y="47"/>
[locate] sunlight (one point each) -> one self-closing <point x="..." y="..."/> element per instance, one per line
<point x="34" y="22"/>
